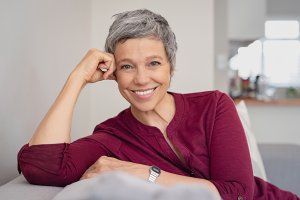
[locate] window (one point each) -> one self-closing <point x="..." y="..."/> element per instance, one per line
<point x="282" y="29"/>
<point x="277" y="56"/>
<point x="281" y="62"/>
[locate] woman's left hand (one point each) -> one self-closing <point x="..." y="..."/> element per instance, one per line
<point x="106" y="164"/>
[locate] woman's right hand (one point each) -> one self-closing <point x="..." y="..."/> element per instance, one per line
<point x="96" y="66"/>
<point x="56" y="125"/>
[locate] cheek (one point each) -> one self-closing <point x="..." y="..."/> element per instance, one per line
<point x="168" y="79"/>
<point x="119" y="78"/>
<point x="164" y="77"/>
<point x="123" y="81"/>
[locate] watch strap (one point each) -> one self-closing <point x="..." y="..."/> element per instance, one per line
<point x="154" y="173"/>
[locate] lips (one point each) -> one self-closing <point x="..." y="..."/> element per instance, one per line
<point x="144" y="92"/>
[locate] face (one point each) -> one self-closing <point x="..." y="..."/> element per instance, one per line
<point x="142" y="72"/>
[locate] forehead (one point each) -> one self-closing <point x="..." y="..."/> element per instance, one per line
<point x="139" y="48"/>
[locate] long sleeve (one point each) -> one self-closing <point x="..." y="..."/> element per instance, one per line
<point x="59" y="164"/>
<point x="230" y="165"/>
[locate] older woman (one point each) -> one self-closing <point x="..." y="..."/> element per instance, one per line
<point x="162" y="137"/>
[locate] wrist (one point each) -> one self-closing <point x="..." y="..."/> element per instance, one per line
<point x="76" y="78"/>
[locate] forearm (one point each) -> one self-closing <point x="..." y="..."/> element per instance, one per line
<point x="105" y="163"/>
<point x="169" y="179"/>
<point x="56" y="125"/>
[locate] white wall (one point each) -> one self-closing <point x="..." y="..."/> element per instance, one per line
<point x="246" y="19"/>
<point x="221" y="68"/>
<point x="42" y="41"/>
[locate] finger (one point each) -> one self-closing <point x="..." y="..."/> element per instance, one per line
<point x="107" y="159"/>
<point x="111" y="67"/>
<point x="102" y="160"/>
<point x="89" y="175"/>
<point x="110" y="71"/>
<point x="103" y="67"/>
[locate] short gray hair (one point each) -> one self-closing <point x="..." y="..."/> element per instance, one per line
<point x="139" y="24"/>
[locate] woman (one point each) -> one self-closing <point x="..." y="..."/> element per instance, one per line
<point x="163" y="137"/>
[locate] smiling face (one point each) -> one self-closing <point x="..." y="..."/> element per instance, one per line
<point x="142" y="72"/>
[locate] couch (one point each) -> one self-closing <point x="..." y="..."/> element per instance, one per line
<point x="282" y="165"/>
<point x="281" y="162"/>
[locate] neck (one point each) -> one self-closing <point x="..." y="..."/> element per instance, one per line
<point x="160" y="116"/>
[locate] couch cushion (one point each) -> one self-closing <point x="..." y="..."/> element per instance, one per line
<point x="19" y="188"/>
<point x="256" y="160"/>
<point x="121" y="186"/>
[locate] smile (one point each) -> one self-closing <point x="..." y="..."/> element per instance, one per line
<point x="143" y="92"/>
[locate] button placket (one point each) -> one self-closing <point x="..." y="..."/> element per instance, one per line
<point x="192" y="173"/>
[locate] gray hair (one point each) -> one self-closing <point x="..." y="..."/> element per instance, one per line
<point x="139" y="24"/>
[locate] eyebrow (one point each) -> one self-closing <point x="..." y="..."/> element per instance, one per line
<point x="147" y="58"/>
<point x="123" y="60"/>
<point x="154" y="56"/>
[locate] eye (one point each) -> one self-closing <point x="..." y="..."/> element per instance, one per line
<point x="154" y="63"/>
<point x="126" y="67"/>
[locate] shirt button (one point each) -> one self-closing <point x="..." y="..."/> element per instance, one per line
<point x="192" y="173"/>
<point x="240" y="198"/>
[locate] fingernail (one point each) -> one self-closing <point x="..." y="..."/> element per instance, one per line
<point x="103" y="69"/>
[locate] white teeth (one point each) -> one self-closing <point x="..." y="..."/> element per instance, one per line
<point x="141" y="93"/>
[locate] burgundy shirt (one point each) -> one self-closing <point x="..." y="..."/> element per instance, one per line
<point x="206" y="130"/>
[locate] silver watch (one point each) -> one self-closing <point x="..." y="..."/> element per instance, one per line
<point x="154" y="173"/>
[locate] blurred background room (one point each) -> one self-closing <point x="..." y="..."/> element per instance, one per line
<point x="229" y="45"/>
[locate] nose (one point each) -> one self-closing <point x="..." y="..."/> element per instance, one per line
<point x="141" y="77"/>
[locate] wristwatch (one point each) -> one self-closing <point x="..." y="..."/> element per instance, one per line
<point x="154" y="173"/>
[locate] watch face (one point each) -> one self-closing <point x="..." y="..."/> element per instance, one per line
<point x="155" y="169"/>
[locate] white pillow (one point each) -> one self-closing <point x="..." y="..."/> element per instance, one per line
<point x="256" y="160"/>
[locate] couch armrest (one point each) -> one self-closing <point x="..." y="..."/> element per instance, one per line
<point x="282" y="164"/>
<point x="19" y="188"/>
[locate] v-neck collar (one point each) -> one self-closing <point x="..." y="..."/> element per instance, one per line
<point x="141" y="128"/>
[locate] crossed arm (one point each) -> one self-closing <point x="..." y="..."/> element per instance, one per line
<point x="104" y="164"/>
